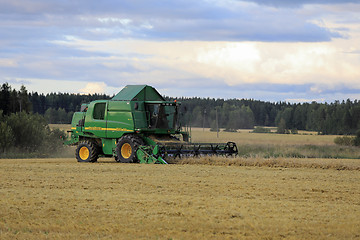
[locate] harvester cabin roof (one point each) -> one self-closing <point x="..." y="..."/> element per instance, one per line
<point x="138" y="93"/>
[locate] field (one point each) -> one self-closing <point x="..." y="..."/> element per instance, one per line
<point x="208" y="198"/>
<point x="247" y="137"/>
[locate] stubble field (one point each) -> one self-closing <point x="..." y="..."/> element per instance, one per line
<point x="208" y="198"/>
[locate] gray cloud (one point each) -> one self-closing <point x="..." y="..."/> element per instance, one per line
<point x="31" y="30"/>
<point x="156" y="20"/>
<point x="263" y="91"/>
<point x="298" y="3"/>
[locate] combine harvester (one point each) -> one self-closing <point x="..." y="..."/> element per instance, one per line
<point x="136" y="125"/>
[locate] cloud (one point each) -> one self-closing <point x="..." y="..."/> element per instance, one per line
<point x="247" y="65"/>
<point x="298" y="3"/>
<point x="94" y="87"/>
<point x="6" y="62"/>
<point x="160" y="20"/>
<point x="216" y="48"/>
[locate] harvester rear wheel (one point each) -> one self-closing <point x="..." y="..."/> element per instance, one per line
<point x="126" y="148"/>
<point x="86" y="151"/>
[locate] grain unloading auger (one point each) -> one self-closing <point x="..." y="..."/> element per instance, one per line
<point x="136" y="125"/>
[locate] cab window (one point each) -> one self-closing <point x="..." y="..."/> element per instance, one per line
<point x="99" y="111"/>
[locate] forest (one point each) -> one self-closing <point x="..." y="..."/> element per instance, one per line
<point x="340" y="118"/>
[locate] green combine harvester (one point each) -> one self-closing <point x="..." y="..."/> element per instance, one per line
<point x="136" y="125"/>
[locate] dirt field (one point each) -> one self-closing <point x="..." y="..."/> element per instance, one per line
<point x="63" y="199"/>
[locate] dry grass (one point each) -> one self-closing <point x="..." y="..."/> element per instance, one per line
<point x="63" y="127"/>
<point x="319" y="163"/>
<point x="204" y="198"/>
<point x="244" y="137"/>
<point x="62" y="199"/>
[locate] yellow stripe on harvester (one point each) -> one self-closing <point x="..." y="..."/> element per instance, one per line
<point x="108" y="129"/>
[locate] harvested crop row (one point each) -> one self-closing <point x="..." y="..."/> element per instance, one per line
<point x="322" y="163"/>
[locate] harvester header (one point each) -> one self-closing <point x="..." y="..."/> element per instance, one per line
<point x="136" y="125"/>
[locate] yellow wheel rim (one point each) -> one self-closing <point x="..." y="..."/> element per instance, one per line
<point x="126" y="150"/>
<point x="84" y="153"/>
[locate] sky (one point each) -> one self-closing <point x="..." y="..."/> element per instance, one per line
<point x="275" y="50"/>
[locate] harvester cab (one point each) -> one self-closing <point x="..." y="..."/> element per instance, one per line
<point x="136" y="125"/>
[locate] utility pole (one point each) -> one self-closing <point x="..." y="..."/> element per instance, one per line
<point x="204" y="120"/>
<point x="217" y="124"/>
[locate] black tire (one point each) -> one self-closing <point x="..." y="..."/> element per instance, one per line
<point x="126" y="148"/>
<point x="86" y="151"/>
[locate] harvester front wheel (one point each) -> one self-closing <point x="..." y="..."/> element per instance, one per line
<point x="126" y="148"/>
<point x="86" y="151"/>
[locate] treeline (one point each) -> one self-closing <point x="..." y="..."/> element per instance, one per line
<point x="24" y="118"/>
<point x="232" y="114"/>
<point x="28" y="135"/>
<point x="55" y="107"/>
<point x="340" y="118"/>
